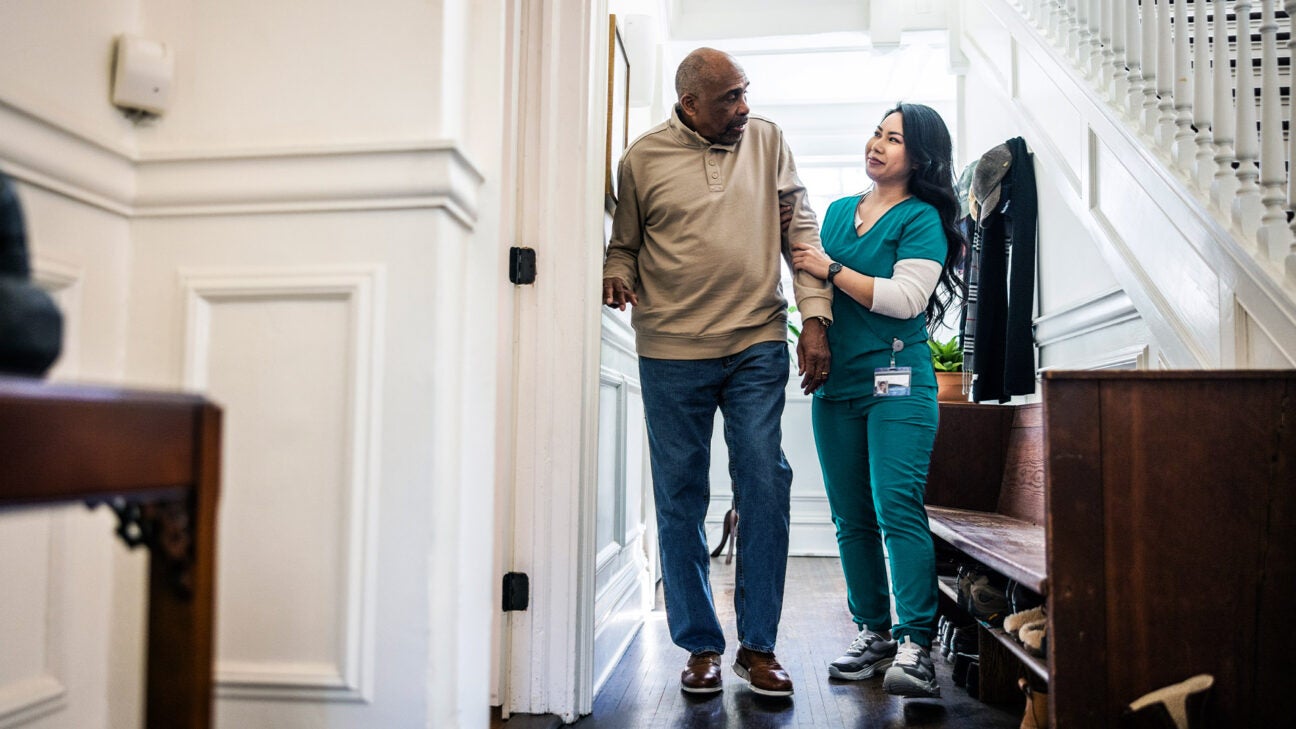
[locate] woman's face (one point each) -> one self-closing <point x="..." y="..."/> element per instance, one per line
<point x="887" y="160"/>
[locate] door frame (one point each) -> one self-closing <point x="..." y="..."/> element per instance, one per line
<point x="547" y="650"/>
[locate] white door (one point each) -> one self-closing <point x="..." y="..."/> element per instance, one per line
<point x="623" y="585"/>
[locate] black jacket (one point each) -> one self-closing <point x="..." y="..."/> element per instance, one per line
<point x="1002" y="345"/>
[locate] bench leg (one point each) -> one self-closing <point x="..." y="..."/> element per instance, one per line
<point x="1000" y="670"/>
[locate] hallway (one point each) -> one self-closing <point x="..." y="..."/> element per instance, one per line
<point x="644" y="690"/>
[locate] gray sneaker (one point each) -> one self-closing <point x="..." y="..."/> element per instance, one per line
<point x="868" y="654"/>
<point x="912" y="673"/>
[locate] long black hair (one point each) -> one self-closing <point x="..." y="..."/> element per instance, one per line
<point x="930" y="151"/>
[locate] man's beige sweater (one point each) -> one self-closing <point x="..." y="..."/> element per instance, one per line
<point x="696" y="236"/>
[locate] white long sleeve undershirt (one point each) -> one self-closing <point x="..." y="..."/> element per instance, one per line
<point x="905" y="294"/>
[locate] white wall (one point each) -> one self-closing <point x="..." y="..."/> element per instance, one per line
<point x="296" y="73"/>
<point x="297" y="236"/>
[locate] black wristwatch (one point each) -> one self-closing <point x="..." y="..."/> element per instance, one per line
<point x="834" y="268"/>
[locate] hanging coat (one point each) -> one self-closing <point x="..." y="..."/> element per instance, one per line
<point x="998" y="333"/>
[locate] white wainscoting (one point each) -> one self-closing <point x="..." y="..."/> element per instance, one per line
<point x="31" y="617"/>
<point x="294" y="357"/>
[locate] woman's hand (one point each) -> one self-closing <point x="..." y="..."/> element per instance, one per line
<point x="811" y="259"/>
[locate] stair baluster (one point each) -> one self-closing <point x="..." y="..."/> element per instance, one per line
<point x="1151" y="74"/>
<point x="1274" y="236"/>
<point x="1098" y="46"/>
<point x="1165" y="71"/>
<point x="1184" y="144"/>
<point x="1106" y="76"/>
<point x="1246" y="146"/>
<point x="1290" y="7"/>
<point x="1224" y="186"/>
<point x="1133" y="62"/>
<point x="1203" y="84"/>
<point x="1119" y="85"/>
<point x="1071" y="30"/>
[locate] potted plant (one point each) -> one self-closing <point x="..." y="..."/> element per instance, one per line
<point x="947" y="359"/>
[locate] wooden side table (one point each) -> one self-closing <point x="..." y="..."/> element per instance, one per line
<point x="154" y="458"/>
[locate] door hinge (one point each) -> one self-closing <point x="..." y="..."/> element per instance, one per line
<point x="516" y="591"/>
<point x="522" y="265"/>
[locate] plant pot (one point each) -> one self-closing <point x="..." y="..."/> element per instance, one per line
<point x="950" y="387"/>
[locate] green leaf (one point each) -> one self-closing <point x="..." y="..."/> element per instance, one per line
<point x="946" y="356"/>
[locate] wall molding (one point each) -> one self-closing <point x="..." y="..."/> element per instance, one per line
<point x="435" y="174"/>
<point x="415" y="174"/>
<point x="352" y="677"/>
<point x="1102" y="311"/>
<point x="29" y="699"/>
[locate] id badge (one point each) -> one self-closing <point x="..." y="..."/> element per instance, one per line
<point x="891" y="381"/>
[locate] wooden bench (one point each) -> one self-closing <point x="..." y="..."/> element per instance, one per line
<point x="1168" y="531"/>
<point x="985" y="499"/>
<point x="155" y="458"/>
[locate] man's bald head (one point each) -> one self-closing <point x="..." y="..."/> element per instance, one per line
<point x="701" y="67"/>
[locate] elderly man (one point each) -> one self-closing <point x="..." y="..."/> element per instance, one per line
<point x="695" y="248"/>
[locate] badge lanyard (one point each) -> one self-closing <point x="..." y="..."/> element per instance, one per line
<point x="892" y="381"/>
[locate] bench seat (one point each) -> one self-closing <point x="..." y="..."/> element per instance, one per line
<point x="1009" y="546"/>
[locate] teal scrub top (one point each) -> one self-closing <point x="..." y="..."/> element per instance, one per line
<point x="859" y="339"/>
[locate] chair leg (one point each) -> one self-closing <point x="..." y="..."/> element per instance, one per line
<point x="731" y="524"/>
<point x="726" y="533"/>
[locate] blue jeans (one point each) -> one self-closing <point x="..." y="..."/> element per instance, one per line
<point x="680" y="401"/>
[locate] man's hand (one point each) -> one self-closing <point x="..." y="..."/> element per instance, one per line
<point x="616" y="294"/>
<point x="813" y="358"/>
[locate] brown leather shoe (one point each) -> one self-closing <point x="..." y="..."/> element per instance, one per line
<point x="763" y="672"/>
<point x="702" y="674"/>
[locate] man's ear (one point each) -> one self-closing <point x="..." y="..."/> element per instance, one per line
<point x="688" y="103"/>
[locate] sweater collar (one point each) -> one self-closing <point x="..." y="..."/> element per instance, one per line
<point x="690" y="138"/>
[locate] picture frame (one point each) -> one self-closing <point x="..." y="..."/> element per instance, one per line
<point x="618" y="109"/>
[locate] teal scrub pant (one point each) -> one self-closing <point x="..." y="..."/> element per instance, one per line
<point x="874" y="452"/>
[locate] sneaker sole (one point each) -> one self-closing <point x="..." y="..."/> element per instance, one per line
<point x="744" y="675"/>
<point x="910" y="688"/>
<point x="860" y="675"/>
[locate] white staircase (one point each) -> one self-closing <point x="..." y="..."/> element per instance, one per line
<point x="1166" y="142"/>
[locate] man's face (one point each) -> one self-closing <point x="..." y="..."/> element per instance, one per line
<point x="719" y="111"/>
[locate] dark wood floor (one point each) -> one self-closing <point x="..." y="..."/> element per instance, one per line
<point x="644" y="693"/>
